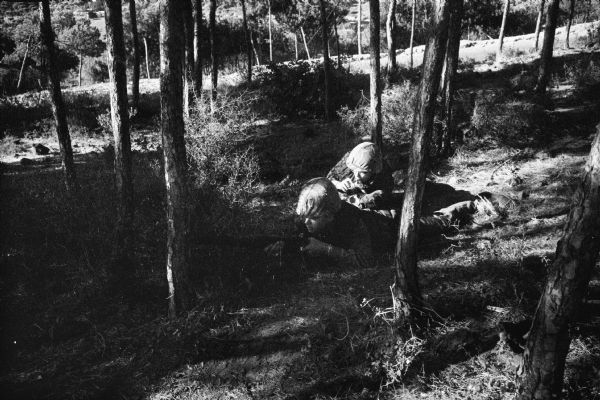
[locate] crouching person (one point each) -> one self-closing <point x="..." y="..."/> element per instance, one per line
<point x="337" y="231"/>
<point x="367" y="181"/>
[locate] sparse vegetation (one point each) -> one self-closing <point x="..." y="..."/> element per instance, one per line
<point x="265" y="327"/>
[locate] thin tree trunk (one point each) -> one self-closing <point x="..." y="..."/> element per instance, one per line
<point x="120" y="126"/>
<point x="296" y="45"/>
<point x="80" y="65"/>
<point x="568" y="279"/>
<point x="188" y="61"/>
<point x="147" y="60"/>
<point x="406" y="291"/>
<point x="337" y="43"/>
<point x="359" y="28"/>
<point x="375" y="76"/>
<point x="571" y="12"/>
<point x="538" y="24"/>
<point x="390" y="25"/>
<point x="270" y="35"/>
<point x="412" y="31"/>
<point x="23" y="63"/>
<point x="213" y="55"/>
<point x="172" y="128"/>
<point x="248" y="45"/>
<point x="198" y="48"/>
<point x="452" y="55"/>
<point x="305" y="45"/>
<point x="501" y="37"/>
<point x="254" y="49"/>
<point x="547" y="48"/>
<point x="135" y="83"/>
<point x="58" y="105"/>
<point x="324" y="32"/>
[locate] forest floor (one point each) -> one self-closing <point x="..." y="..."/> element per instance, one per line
<point x="264" y="328"/>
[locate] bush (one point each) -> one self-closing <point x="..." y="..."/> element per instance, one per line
<point x="499" y="119"/>
<point x="223" y="166"/>
<point x="397" y="110"/>
<point x="297" y="89"/>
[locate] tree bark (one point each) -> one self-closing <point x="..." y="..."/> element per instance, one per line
<point x="538" y="24"/>
<point x="296" y="45"/>
<point x="452" y="56"/>
<point x="135" y="82"/>
<point x="254" y="49"/>
<point x="375" y="76"/>
<point x="305" y="45"/>
<point x="337" y="42"/>
<point x="412" y="31"/>
<point x="172" y="128"/>
<point x="570" y="21"/>
<point x="270" y="35"/>
<point x="198" y="48"/>
<point x="568" y="279"/>
<point x="58" y="106"/>
<point x="325" y="34"/>
<point x="188" y="60"/>
<point x="359" y="28"/>
<point x="390" y="25"/>
<point x="248" y="45"/>
<point x="547" y="48"/>
<point x="147" y="60"/>
<point x="120" y="127"/>
<point x="501" y="37"/>
<point x="23" y="63"/>
<point x="406" y="290"/>
<point x="80" y="65"/>
<point x="214" y="73"/>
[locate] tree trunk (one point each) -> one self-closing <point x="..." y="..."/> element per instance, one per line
<point x="571" y="12"/>
<point x="375" y="76"/>
<point x="147" y="60"/>
<point x="305" y="45"/>
<point x="254" y="49"/>
<point x="412" y="31"/>
<point x="135" y="82"/>
<point x="538" y="24"/>
<point x="501" y="38"/>
<point x="452" y="50"/>
<point x="359" y="28"/>
<point x="568" y="279"/>
<point x="337" y="43"/>
<point x="296" y="45"/>
<point x="325" y="34"/>
<point x="406" y="291"/>
<point x="270" y="35"/>
<point x="120" y="127"/>
<point x="188" y="60"/>
<point x="390" y="25"/>
<point x="547" y="48"/>
<point x="247" y="41"/>
<point x="58" y="105"/>
<point x="172" y="128"/>
<point x="80" y="66"/>
<point x="23" y="63"/>
<point x="198" y="48"/>
<point x="214" y="69"/>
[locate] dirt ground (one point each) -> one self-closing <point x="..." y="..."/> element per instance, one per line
<point x="274" y="329"/>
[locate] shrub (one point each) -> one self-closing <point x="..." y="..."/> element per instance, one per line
<point x="297" y="89"/>
<point x="397" y="110"/>
<point x="499" y="119"/>
<point x="223" y="166"/>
